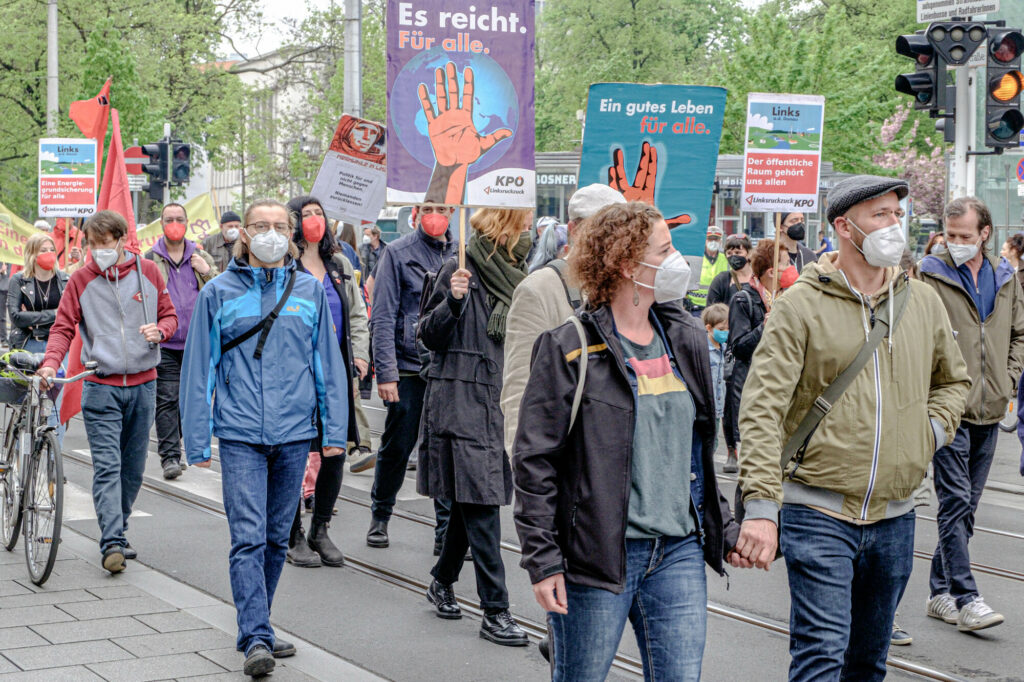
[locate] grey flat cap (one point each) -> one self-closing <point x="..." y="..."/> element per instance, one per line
<point x="849" y="192"/>
<point x="586" y="201"/>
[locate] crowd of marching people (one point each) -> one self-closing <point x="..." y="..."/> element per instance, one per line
<point x="593" y="373"/>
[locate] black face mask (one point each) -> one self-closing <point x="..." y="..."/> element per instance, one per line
<point x="737" y="262"/>
<point x="796" y="232"/>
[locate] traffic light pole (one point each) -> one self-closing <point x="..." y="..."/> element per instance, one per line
<point x="167" y="185"/>
<point x="961" y="144"/>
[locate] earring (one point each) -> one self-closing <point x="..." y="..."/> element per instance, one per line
<point x="636" y="294"/>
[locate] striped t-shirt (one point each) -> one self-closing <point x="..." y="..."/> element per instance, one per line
<point x="659" y="500"/>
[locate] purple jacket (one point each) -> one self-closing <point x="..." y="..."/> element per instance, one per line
<point x="183" y="285"/>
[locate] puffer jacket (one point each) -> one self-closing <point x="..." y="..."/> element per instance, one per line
<point x="573" y="487"/>
<point x="871" y="450"/>
<point x="994" y="347"/>
<point x="275" y="399"/>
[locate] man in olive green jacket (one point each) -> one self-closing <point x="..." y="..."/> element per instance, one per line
<point x="986" y="308"/>
<point x="843" y="510"/>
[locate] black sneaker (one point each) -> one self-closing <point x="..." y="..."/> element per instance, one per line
<point x="172" y="469"/>
<point x="129" y="552"/>
<point x="501" y="629"/>
<point x="259" y="662"/>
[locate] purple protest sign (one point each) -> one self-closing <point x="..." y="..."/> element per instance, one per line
<point x="460" y="102"/>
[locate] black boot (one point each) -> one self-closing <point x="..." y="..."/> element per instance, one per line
<point x="443" y="599"/>
<point x="299" y="552"/>
<point x="321" y="543"/>
<point x="378" y="534"/>
<point x="499" y="628"/>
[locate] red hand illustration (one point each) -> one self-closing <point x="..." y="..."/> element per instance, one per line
<point x="452" y="133"/>
<point x="642" y="188"/>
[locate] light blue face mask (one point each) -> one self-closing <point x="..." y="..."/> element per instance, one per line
<point x="721" y="335"/>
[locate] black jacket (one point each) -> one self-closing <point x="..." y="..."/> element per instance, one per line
<point x="462" y="456"/>
<point x="338" y="277"/>
<point x="30" y="323"/>
<point x="746" y="325"/>
<point x="572" y="488"/>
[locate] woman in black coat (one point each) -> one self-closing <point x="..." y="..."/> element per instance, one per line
<point x="462" y="455"/>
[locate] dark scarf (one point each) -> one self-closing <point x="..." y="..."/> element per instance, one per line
<point x="500" y="274"/>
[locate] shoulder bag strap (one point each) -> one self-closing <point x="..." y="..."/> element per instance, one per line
<point x="798" y="442"/>
<point x="578" y="397"/>
<point x="558" y="265"/>
<point x="263" y="326"/>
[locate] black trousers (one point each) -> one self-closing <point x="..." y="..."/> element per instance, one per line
<point x="731" y="419"/>
<point x="168" y="418"/>
<point x="476" y="526"/>
<point x="3" y="315"/>
<point x="401" y="427"/>
<point x="325" y="493"/>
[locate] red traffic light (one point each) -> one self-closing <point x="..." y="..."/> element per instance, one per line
<point x="916" y="47"/>
<point x="1006" y="46"/>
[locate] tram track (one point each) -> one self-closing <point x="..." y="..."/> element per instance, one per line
<point x="535" y="629"/>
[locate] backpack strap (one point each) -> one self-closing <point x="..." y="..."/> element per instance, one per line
<point x="797" y="443"/>
<point x="263" y="326"/>
<point x="571" y="293"/>
<point x="578" y="397"/>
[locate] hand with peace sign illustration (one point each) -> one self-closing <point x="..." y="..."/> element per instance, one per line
<point x="642" y="188"/>
<point x="453" y="135"/>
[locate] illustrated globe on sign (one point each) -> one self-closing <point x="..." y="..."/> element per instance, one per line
<point x="495" y="103"/>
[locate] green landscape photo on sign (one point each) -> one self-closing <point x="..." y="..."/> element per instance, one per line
<point x="788" y="126"/>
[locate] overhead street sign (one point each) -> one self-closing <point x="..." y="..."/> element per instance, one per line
<point x="940" y="10"/>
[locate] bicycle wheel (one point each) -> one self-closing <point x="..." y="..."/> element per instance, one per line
<point x="44" y="504"/>
<point x="10" y="482"/>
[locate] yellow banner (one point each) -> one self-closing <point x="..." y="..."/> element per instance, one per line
<point x="202" y="221"/>
<point x="14" y="232"/>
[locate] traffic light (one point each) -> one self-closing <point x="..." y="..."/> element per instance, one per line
<point x="156" y="169"/>
<point x="181" y="163"/>
<point x="1004" y="82"/>
<point x="925" y="83"/>
<point x="956" y="41"/>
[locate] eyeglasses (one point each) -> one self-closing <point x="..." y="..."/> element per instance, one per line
<point x="261" y="228"/>
<point x="175" y="219"/>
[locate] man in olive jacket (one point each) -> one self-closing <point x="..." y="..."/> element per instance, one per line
<point x="985" y="304"/>
<point x="846" y="525"/>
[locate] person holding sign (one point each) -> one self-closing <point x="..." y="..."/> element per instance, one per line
<point x="463" y="458"/>
<point x="617" y="505"/>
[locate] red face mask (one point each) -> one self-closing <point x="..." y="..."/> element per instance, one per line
<point x="46" y="260"/>
<point x="434" y="224"/>
<point x="174" y="231"/>
<point x="313" y="228"/>
<point x="788" y="277"/>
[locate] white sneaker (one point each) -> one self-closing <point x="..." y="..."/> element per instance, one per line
<point x="943" y="607"/>
<point x="977" y="615"/>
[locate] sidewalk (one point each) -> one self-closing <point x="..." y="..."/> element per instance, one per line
<point x="85" y="624"/>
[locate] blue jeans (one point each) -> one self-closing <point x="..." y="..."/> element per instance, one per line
<point x="261" y="484"/>
<point x="961" y="469"/>
<point x="665" y="598"/>
<point x="845" y="581"/>
<point x="117" y="422"/>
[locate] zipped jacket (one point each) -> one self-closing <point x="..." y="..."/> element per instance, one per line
<point x="994" y="347"/>
<point x="107" y="308"/>
<point x="871" y="450"/>
<point x="273" y="399"/>
<point x="26" y="321"/>
<point x="573" y="487"/>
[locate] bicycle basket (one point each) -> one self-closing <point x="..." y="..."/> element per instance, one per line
<point x="13" y="391"/>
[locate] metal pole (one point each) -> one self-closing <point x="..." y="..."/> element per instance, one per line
<point x="958" y="164"/>
<point x="52" y="75"/>
<point x="972" y="127"/>
<point x="170" y="164"/>
<point x="353" y="94"/>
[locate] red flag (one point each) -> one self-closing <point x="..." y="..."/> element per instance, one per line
<point x="91" y="116"/>
<point x="115" y="194"/>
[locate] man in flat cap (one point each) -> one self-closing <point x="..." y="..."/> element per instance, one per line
<point x="986" y="307"/>
<point x="842" y="506"/>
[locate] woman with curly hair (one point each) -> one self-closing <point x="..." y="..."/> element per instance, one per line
<point x="617" y="506"/>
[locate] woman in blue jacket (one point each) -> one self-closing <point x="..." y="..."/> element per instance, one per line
<point x="262" y="341"/>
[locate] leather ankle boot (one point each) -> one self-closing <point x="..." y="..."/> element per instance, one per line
<point x="299" y="553"/>
<point x="321" y="543"/>
<point x="378" y="534"/>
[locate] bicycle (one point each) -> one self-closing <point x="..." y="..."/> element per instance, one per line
<point x="31" y="466"/>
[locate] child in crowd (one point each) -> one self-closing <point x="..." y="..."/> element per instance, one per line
<point x="716" y="320"/>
